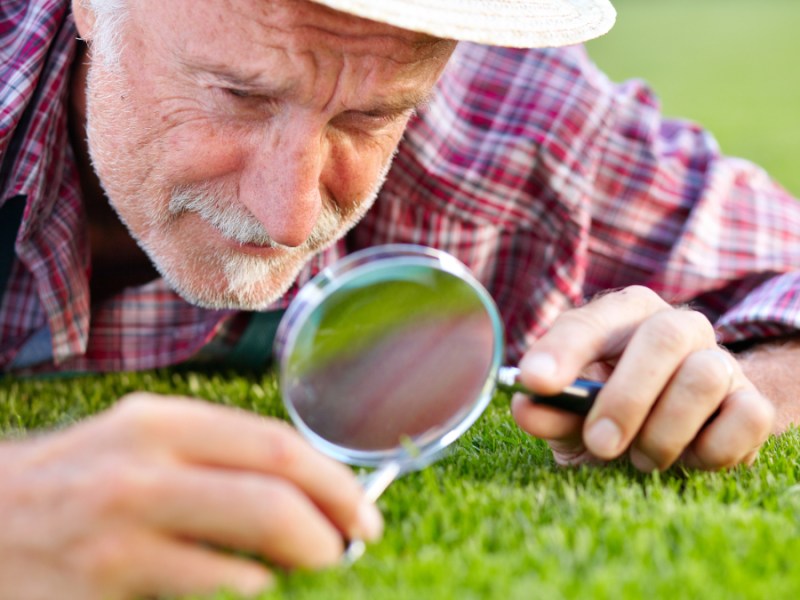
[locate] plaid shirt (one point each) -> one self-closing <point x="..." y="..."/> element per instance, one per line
<point x="549" y="181"/>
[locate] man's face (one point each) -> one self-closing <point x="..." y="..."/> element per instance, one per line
<point x="236" y="139"/>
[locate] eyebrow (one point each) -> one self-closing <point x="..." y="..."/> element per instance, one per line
<point x="402" y="103"/>
<point x="248" y="81"/>
<point x="253" y="82"/>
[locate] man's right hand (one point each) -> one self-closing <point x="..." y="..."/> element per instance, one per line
<point x="149" y="497"/>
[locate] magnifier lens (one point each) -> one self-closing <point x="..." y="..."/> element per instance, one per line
<point x="393" y="355"/>
<point x="390" y="355"/>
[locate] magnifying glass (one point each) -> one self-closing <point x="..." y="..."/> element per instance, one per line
<point x="389" y="355"/>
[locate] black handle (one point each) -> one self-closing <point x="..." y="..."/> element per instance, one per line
<point x="576" y="398"/>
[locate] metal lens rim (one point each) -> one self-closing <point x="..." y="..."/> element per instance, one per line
<point x="341" y="274"/>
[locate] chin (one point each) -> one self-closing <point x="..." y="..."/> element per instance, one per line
<point x="236" y="282"/>
<point x="252" y="297"/>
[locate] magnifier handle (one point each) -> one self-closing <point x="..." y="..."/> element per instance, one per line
<point x="576" y="398"/>
<point x="374" y="485"/>
<point x="378" y="480"/>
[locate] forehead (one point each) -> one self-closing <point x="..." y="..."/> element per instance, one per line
<point x="235" y="29"/>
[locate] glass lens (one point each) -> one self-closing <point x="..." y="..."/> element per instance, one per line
<point x="394" y="357"/>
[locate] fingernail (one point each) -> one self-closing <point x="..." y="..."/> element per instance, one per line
<point x="539" y="363"/>
<point x="370" y="521"/>
<point x="603" y="438"/>
<point x="642" y="462"/>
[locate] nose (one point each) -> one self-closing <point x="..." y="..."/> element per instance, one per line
<point x="281" y="184"/>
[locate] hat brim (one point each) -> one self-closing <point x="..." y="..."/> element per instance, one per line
<point x="513" y="23"/>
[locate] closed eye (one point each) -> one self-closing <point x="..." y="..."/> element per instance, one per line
<point x="372" y="119"/>
<point x="246" y="102"/>
<point x="238" y="93"/>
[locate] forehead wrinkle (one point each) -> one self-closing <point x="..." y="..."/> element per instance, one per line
<point x="320" y="42"/>
<point x="402" y="98"/>
<point x="249" y="78"/>
<point x="236" y="72"/>
<point x="420" y="49"/>
<point x="328" y="22"/>
<point x="236" y="76"/>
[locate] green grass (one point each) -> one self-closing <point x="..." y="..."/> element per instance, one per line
<point x="728" y="64"/>
<point x="497" y="518"/>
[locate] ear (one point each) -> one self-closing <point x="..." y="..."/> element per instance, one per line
<point x="84" y="19"/>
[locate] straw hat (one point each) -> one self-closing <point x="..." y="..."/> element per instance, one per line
<point x="518" y="23"/>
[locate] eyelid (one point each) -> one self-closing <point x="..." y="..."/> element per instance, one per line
<point x="384" y="116"/>
<point x="239" y="93"/>
<point x="377" y="117"/>
<point x="242" y="93"/>
<point x="247" y="99"/>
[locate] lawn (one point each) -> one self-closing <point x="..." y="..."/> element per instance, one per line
<point x="497" y="518"/>
<point x="728" y="64"/>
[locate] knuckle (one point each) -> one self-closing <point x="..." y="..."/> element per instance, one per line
<point x="138" y="412"/>
<point x="103" y="560"/>
<point x="582" y="317"/>
<point x="700" y="324"/>
<point x="591" y="325"/>
<point x="758" y="415"/>
<point x="119" y="487"/>
<point x="641" y="296"/>
<point x="281" y="448"/>
<point x="640" y="293"/>
<point x="705" y="372"/>
<point x="666" y="332"/>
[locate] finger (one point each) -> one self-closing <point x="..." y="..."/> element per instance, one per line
<point x="594" y="332"/>
<point x="654" y="353"/>
<point x="164" y="567"/>
<point x="701" y="383"/>
<point x="208" y="434"/>
<point x="242" y="511"/>
<point x="545" y="422"/>
<point x="561" y="430"/>
<point x="734" y="436"/>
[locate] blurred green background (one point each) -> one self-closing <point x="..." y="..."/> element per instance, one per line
<point x="731" y="65"/>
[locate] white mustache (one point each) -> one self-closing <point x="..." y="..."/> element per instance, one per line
<point x="236" y="223"/>
<point x="232" y="220"/>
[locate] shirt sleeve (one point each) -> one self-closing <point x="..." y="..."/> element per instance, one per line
<point x="671" y="212"/>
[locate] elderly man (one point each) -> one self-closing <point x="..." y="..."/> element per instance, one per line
<point x="186" y="163"/>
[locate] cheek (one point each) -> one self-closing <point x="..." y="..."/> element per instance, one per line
<point x="200" y="150"/>
<point x="354" y="169"/>
<point x="140" y="150"/>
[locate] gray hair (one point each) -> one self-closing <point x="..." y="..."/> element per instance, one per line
<point x="106" y="35"/>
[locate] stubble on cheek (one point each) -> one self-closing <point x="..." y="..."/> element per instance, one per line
<point x="125" y="151"/>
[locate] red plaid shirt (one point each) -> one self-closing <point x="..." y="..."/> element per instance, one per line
<point x="549" y="181"/>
